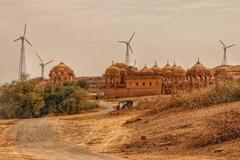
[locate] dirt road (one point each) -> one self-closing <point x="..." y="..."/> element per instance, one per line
<point x="83" y="137"/>
<point x="37" y="138"/>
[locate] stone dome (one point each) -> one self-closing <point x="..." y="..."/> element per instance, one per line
<point x="198" y="68"/>
<point x="156" y="69"/>
<point x="146" y="70"/>
<point x="123" y="71"/>
<point x="167" y="70"/>
<point x="62" y="68"/>
<point x="61" y="73"/>
<point x="112" y="71"/>
<point x="133" y="71"/>
<point x="174" y="68"/>
<point x="179" y="71"/>
<point x="122" y="66"/>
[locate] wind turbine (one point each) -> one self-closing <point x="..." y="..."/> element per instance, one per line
<point x="128" y="47"/>
<point x="23" y="75"/>
<point x="225" y="52"/>
<point x="42" y="64"/>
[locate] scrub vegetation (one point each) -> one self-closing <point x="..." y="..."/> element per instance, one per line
<point x="221" y="92"/>
<point x="29" y="99"/>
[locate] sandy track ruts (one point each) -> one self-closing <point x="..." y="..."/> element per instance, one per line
<point x="37" y="138"/>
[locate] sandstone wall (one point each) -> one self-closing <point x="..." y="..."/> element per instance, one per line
<point x="126" y="92"/>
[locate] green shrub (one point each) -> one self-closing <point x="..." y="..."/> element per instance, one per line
<point x="29" y="99"/>
<point x="83" y="84"/>
<point x="20" y="101"/>
<point x="88" y="105"/>
<point x="65" y="99"/>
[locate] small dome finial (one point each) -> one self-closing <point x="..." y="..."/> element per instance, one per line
<point x="167" y="62"/>
<point x="155" y="62"/>
<point x="112" y="62"/>
<point x="198" y="61"/>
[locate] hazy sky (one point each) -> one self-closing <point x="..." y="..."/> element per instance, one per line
<point x="84" y="33"/>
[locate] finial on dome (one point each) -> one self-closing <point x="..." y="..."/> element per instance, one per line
<point x="112" y="62"/>
<point x="174" y="63"/>
<point x="155" y="62"/>
<point x="167" y="62"/>
<point x="198" y="61"/>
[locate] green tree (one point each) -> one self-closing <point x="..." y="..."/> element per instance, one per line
<point x="63" y="99"/>
<point x="83" y="84"/>
<point x="20" y="100"/>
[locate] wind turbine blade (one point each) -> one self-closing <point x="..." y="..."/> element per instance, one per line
<point x="131" y="38"/>
<point x="48" y="62"/>
<point x="28" y="41"/>
<point x="130" y="48"/>
<point x="231" y="46"/>
<point x="222" y="43"/>
<point x="122" y="42"/>
<point x="25" y="29"/>
<point x="39" y="57"/>
<point x="17" y="39"/>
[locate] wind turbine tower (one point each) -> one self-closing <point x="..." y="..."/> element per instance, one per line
<point x="225" y="47"/>
<point x="23" y="75"/>
<point x="128" y="49"/>
<point x="42" y="64"/>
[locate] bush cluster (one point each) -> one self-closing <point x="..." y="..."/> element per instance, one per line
<point x="20" y="100"/>
<point x="221" y="92"/>
<point x="29" y="99"/>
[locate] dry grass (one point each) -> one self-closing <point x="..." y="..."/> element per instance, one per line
<point x="219" y="128"/>
<point x="222" y="92"/>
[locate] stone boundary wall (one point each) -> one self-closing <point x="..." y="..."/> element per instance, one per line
<point x="126" y="92"/>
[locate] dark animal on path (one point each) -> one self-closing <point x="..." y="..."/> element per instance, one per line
<point x="124" y="105"/>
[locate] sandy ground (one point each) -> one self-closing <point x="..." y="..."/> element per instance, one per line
<point x="135" y="134"/>
<point x="167" y="133"/>
<point x="38" y="139"/>
<point x="6" y="151"/>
